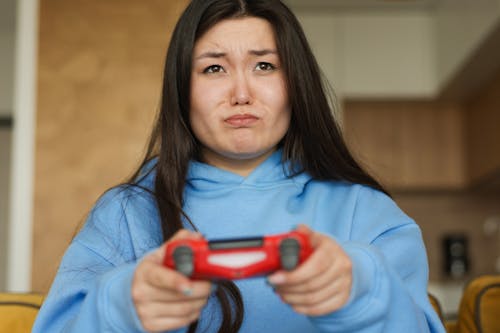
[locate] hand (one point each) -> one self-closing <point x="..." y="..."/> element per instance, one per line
<point x="321" y="284"/>
<point x="164" y="298"/>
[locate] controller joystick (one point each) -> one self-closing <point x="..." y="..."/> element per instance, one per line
<point x="289" y="253"/>
<point x="183" y="258"/>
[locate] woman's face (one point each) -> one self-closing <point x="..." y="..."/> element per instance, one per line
<point x="239" y="103"/>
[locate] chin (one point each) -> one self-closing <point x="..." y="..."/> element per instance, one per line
<point x="249" y="154"/>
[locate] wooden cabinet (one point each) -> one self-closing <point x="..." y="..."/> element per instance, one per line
<point x="448" y="142"/>
<point x="408" y="144"/>
<point x="429" y="144"/>
<point x="482" y="118"/>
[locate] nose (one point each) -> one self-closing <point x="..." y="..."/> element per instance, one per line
<point x="241" y="92"/>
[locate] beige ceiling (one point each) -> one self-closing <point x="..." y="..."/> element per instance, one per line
<point x="363" y="4"/>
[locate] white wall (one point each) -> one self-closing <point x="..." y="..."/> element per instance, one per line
<point x="375" y="54"/>
<point x="461" y="25"/>
<point x="388" y="54"/>
<point x="367" y="53"/>
<point x="321" y="30"/>
<point x="19" y="242"/>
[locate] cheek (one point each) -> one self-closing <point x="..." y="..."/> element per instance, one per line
<point x="201" y="103"/>
<point x="283" y="121"/>
<point x="197" y="95"/>
<point x="200" y="121"/>
<point x="206" y="95"/>
<point x="282" y="110"/>
<point x="277" y="97"/>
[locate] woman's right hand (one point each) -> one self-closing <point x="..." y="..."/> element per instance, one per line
<point x="165" y="299"/>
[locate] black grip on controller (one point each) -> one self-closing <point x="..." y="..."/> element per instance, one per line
<point x="289" y="253"/>
<point x="183" y="258"/>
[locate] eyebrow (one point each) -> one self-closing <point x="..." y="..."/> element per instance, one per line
<point x="211" y="54"/>
<point x="262" y="52"/>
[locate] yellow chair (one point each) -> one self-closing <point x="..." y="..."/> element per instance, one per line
<point x="436" y="305"/>
<point x="479" y="310"/>
<point x="18" y="311"/>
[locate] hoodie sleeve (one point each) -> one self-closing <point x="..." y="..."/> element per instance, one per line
<point x="390" y="273"/>
<point x="92" y="289"/>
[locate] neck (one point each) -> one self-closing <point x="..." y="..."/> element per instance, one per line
<point x="241" y="165"/>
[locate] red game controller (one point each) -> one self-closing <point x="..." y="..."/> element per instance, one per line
<point x="237" y="258"/>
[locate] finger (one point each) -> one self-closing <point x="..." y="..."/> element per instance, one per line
<point x="158" y="255"/>
<point x="162" y="324"/>
<point x="147" y="293"/>
<point x="165" y="278"/>
<point x="151" y="281"/>
<point x="311" y="285"/>
<point x="329" y="305"/>
<point x="303" y="228"/>
<point x="154" y="310"/>
<point x="171" y="280"/>
<point x="339" y="286"/>
<point x="319" y="261"/>
<point x="340" y="268"/>
<point x="314" y="237"/>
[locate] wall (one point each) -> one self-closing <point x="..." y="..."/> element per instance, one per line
<point x="442" y="213"/>
<point x="389" y="67"/>
<point x="100" y="66"/>
<point x="388" y="54"/>
<point x="416" y="52"/>
<point x="442" y="164"/>
<point x="316" y="27"/>
<point x="460" y="27"/>
<point x="374" y="54"/>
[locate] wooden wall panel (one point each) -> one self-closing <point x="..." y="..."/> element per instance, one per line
<point x="444" y="213"/>
<point x="483" y="133"/>
<point x="408" y="144"/>
<point x="100" y="67"/>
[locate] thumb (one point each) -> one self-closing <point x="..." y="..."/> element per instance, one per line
<point x="314" y="237"/>
<point x="303" y="228"/>
<point x="157" y="255"/>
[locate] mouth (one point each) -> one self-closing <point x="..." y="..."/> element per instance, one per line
<point x="241" y="120"/>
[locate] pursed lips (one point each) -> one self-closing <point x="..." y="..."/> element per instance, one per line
<point x="241" y="120"/>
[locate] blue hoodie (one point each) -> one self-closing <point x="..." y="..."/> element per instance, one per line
<point x="91" y="292"/>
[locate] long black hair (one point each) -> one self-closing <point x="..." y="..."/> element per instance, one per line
<point x="312" y="144"/>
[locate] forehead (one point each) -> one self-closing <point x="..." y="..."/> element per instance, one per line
<point x="247" y="32"/>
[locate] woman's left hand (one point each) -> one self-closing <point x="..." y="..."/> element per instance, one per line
<point x="321" y="284"/>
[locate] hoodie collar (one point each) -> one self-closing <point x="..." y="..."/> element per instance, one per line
<point x="270" y="171"/>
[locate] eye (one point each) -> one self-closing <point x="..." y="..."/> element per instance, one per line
<point x="213" y="69"/>
<point x="265" y="66"/>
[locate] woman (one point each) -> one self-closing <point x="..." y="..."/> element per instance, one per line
<point x="245" y="144"/>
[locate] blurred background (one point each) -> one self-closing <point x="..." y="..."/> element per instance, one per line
<point x="417" y="85"/>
